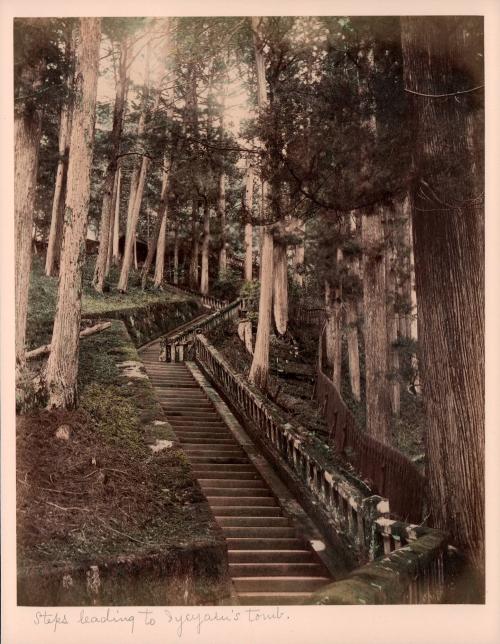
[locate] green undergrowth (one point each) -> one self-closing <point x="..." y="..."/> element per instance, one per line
<point x="103" y="492"/>
<point x="43" y="298"/>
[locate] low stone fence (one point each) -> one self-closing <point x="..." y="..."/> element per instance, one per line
<point x="176" y="348"/>
<point x="337" y="504"/>
<point x="206" y="300"/>
<point x="146" y="323"/>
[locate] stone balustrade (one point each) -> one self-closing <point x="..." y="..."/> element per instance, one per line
<point x="176" y="347"/>
<point x="407" y="558"/>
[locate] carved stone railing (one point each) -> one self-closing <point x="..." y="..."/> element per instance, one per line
<point x="345" y="507"/>
<point x="411" y="570"/>
<point x="412" y="556"/>
<point x="207" y="300"/>
<point x="176" y="347"/>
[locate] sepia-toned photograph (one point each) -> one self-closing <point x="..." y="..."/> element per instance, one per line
<point x="249" y="310"/>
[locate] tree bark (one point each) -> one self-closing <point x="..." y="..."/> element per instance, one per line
<point x="27" y="133"/>
<point x="193" y="263"/>
<point x="116" y="227"/>
<point x="280" y="288"/>
<point x="137" y="182"/>
<point x="259" y="370"/>
<point x="221" y="207"/>
<point x="159" y="231"/>
<point x="375" y="327"/>
<point x="176" y="255"/>
<point x="112" y="221"/>
<point x="298" y="259"/>
<point x="130" y="251"/>
<point x="448" y="236"/>
<point x="62" y="365"/>
<point x="333" y="334"/>
<point x="205" y="250"/>
<point x="57" y="219"/>
<point x="107" y="211"/>
<point x="392" y="324"/>
<point x="249" y="181"/>
<point x="353" y="348"/>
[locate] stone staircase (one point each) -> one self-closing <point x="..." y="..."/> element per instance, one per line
<point x="269" y="563"/>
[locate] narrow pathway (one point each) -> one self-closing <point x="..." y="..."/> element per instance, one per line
<point x="269" y="563"/>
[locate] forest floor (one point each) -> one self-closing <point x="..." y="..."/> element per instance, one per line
<point x="99" y="489"/>
<point x="292" y="366"/>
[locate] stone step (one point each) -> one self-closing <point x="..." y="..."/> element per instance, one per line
<point x="210" y="422"/>
<point x="238" y="521"/>
<point x="269" y="543"/>
<point x="259" y="532"/>
<point x="269" y="556"/>
<point x="184" y="406"/>
<point x="189" y="393"/>
<point x="193" y="442"/>
<point x="236" y="475"/>
<point x="272" y="599"/>
<point x="200" y="459"/>
<point x="196" y="432"/>
<point x="189" y="439"/>
<point x="276" y="570"/>
<point x="224" y="484"/>
<point x="246" y="511"/>
<point x="223" y="450"/>
<point x="237" y="492"/>
<point x="227" y="468"/>
<point x="192" y="414"/>
<point x="242" y="501"/>
<point x="278" y="584"/>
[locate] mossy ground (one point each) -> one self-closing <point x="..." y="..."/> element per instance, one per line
<point x="104" y="492"/>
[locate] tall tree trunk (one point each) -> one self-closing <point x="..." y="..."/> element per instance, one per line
<point x="375" y="327"/>
<point x="448" y="236"/>
<point x="280" y="288"/>
<point x="260" y="364"/>
<point x="159" y="232"/>
<point x="107" y="211"/>
<point x="249" y="181"/>
<point x="205" y="249"/>
<point x="333" y="334"/>
<point x="392" y="325"/>
<point x="193" y="263"/>
<point x="137" y="182"/>
<point x="130" y="251"/>
<point x="160" y="254"/>
<point x="378" y="406"/>
<point x="116" y="227"/>
<point x="27" y="133"/>
<point x="158" y="241"/>
<point x="353" y="348"/>
<point x="176" y="255"/>
<point x="112" y="222"/>
<point x="221" y="207"/>
<point x="352" y="302"/>
<point x="57" y="219"/>
<point x="62" y="366"/>
<point x="298" y="259"/>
